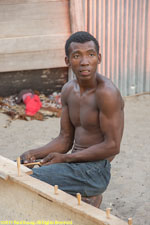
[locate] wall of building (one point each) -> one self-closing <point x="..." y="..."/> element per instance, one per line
<point x="33" y="34"/>
<point x="123" y="31"/>
<point x="46" y="81"/>
<point x="32" y="39"/>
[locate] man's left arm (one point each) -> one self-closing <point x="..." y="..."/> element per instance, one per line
<point x="111" y="118"/>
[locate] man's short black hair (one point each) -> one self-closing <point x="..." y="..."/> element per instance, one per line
<point x="80" y="37"/>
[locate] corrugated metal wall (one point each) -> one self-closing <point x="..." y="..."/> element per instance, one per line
<point x="121" y="27"/>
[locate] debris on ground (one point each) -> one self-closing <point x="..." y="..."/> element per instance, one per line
<point x="31" y="100"/>
<point x="51" y="107"/>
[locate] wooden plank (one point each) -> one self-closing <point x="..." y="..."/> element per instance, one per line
<point x="3" y="175"/>
<point x="33" y="11"/>
<point x="32" y="60"/>
<point x="9" y="167"/>
<point x="39" y="19"/>
<point x="33" y="44"/>
<point x="33" y="28"/>
<point x="26" y="197"/>
<point x="4" y="2"/>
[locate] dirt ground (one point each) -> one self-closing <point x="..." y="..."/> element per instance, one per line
<point x="129" y="191"/>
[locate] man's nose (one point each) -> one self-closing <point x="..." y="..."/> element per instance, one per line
<point x="84" y="61"/>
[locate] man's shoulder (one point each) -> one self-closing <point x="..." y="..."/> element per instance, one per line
<point x="68" y="86"/>
<point x="67" y="89"/>
<point x="107" y="91"/>
<point x="105" y="85"/>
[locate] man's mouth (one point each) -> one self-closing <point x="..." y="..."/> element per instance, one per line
<point x="85" y="72"/>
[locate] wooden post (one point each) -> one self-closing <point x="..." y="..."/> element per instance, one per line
<point x="76" y="16"/>
<point x="79" y="198"/>
<point x="108" y="213"/>
<point x="130" y="221"/>
<point x="18" y="165"/>
<point x="77" y="23"/>
<point x="56" y="189"/>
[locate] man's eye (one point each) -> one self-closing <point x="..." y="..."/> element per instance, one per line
<point x="76" y="56"/>
<point x="91" y="54"/>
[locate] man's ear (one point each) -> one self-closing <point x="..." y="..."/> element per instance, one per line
<point x="67" y="61"/>
<point x="99" y="58"/>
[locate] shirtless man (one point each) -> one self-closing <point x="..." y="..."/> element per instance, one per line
<point x="91" y="125"/>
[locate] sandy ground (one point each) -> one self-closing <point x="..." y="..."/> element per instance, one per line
<point x="129" y="191"/>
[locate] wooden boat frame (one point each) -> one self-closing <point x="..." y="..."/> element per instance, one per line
<point x="24" y="198"/>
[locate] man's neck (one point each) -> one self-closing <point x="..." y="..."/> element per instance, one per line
<point x="85" y="85"/>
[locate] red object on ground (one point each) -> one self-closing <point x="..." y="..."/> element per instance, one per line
<point x="33" y="104"/>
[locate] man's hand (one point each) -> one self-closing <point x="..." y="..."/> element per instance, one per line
<point x="53" y="158"/>
<point x="27" y="157"/>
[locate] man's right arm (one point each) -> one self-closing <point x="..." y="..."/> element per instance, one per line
<point x="60" y="144"/>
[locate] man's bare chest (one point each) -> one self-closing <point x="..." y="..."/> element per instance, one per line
<point x="83" y="110"/>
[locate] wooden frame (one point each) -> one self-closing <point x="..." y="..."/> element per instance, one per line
<point x="27" y="198"/>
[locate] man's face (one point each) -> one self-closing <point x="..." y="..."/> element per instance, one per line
<point x="83" y="59"/>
